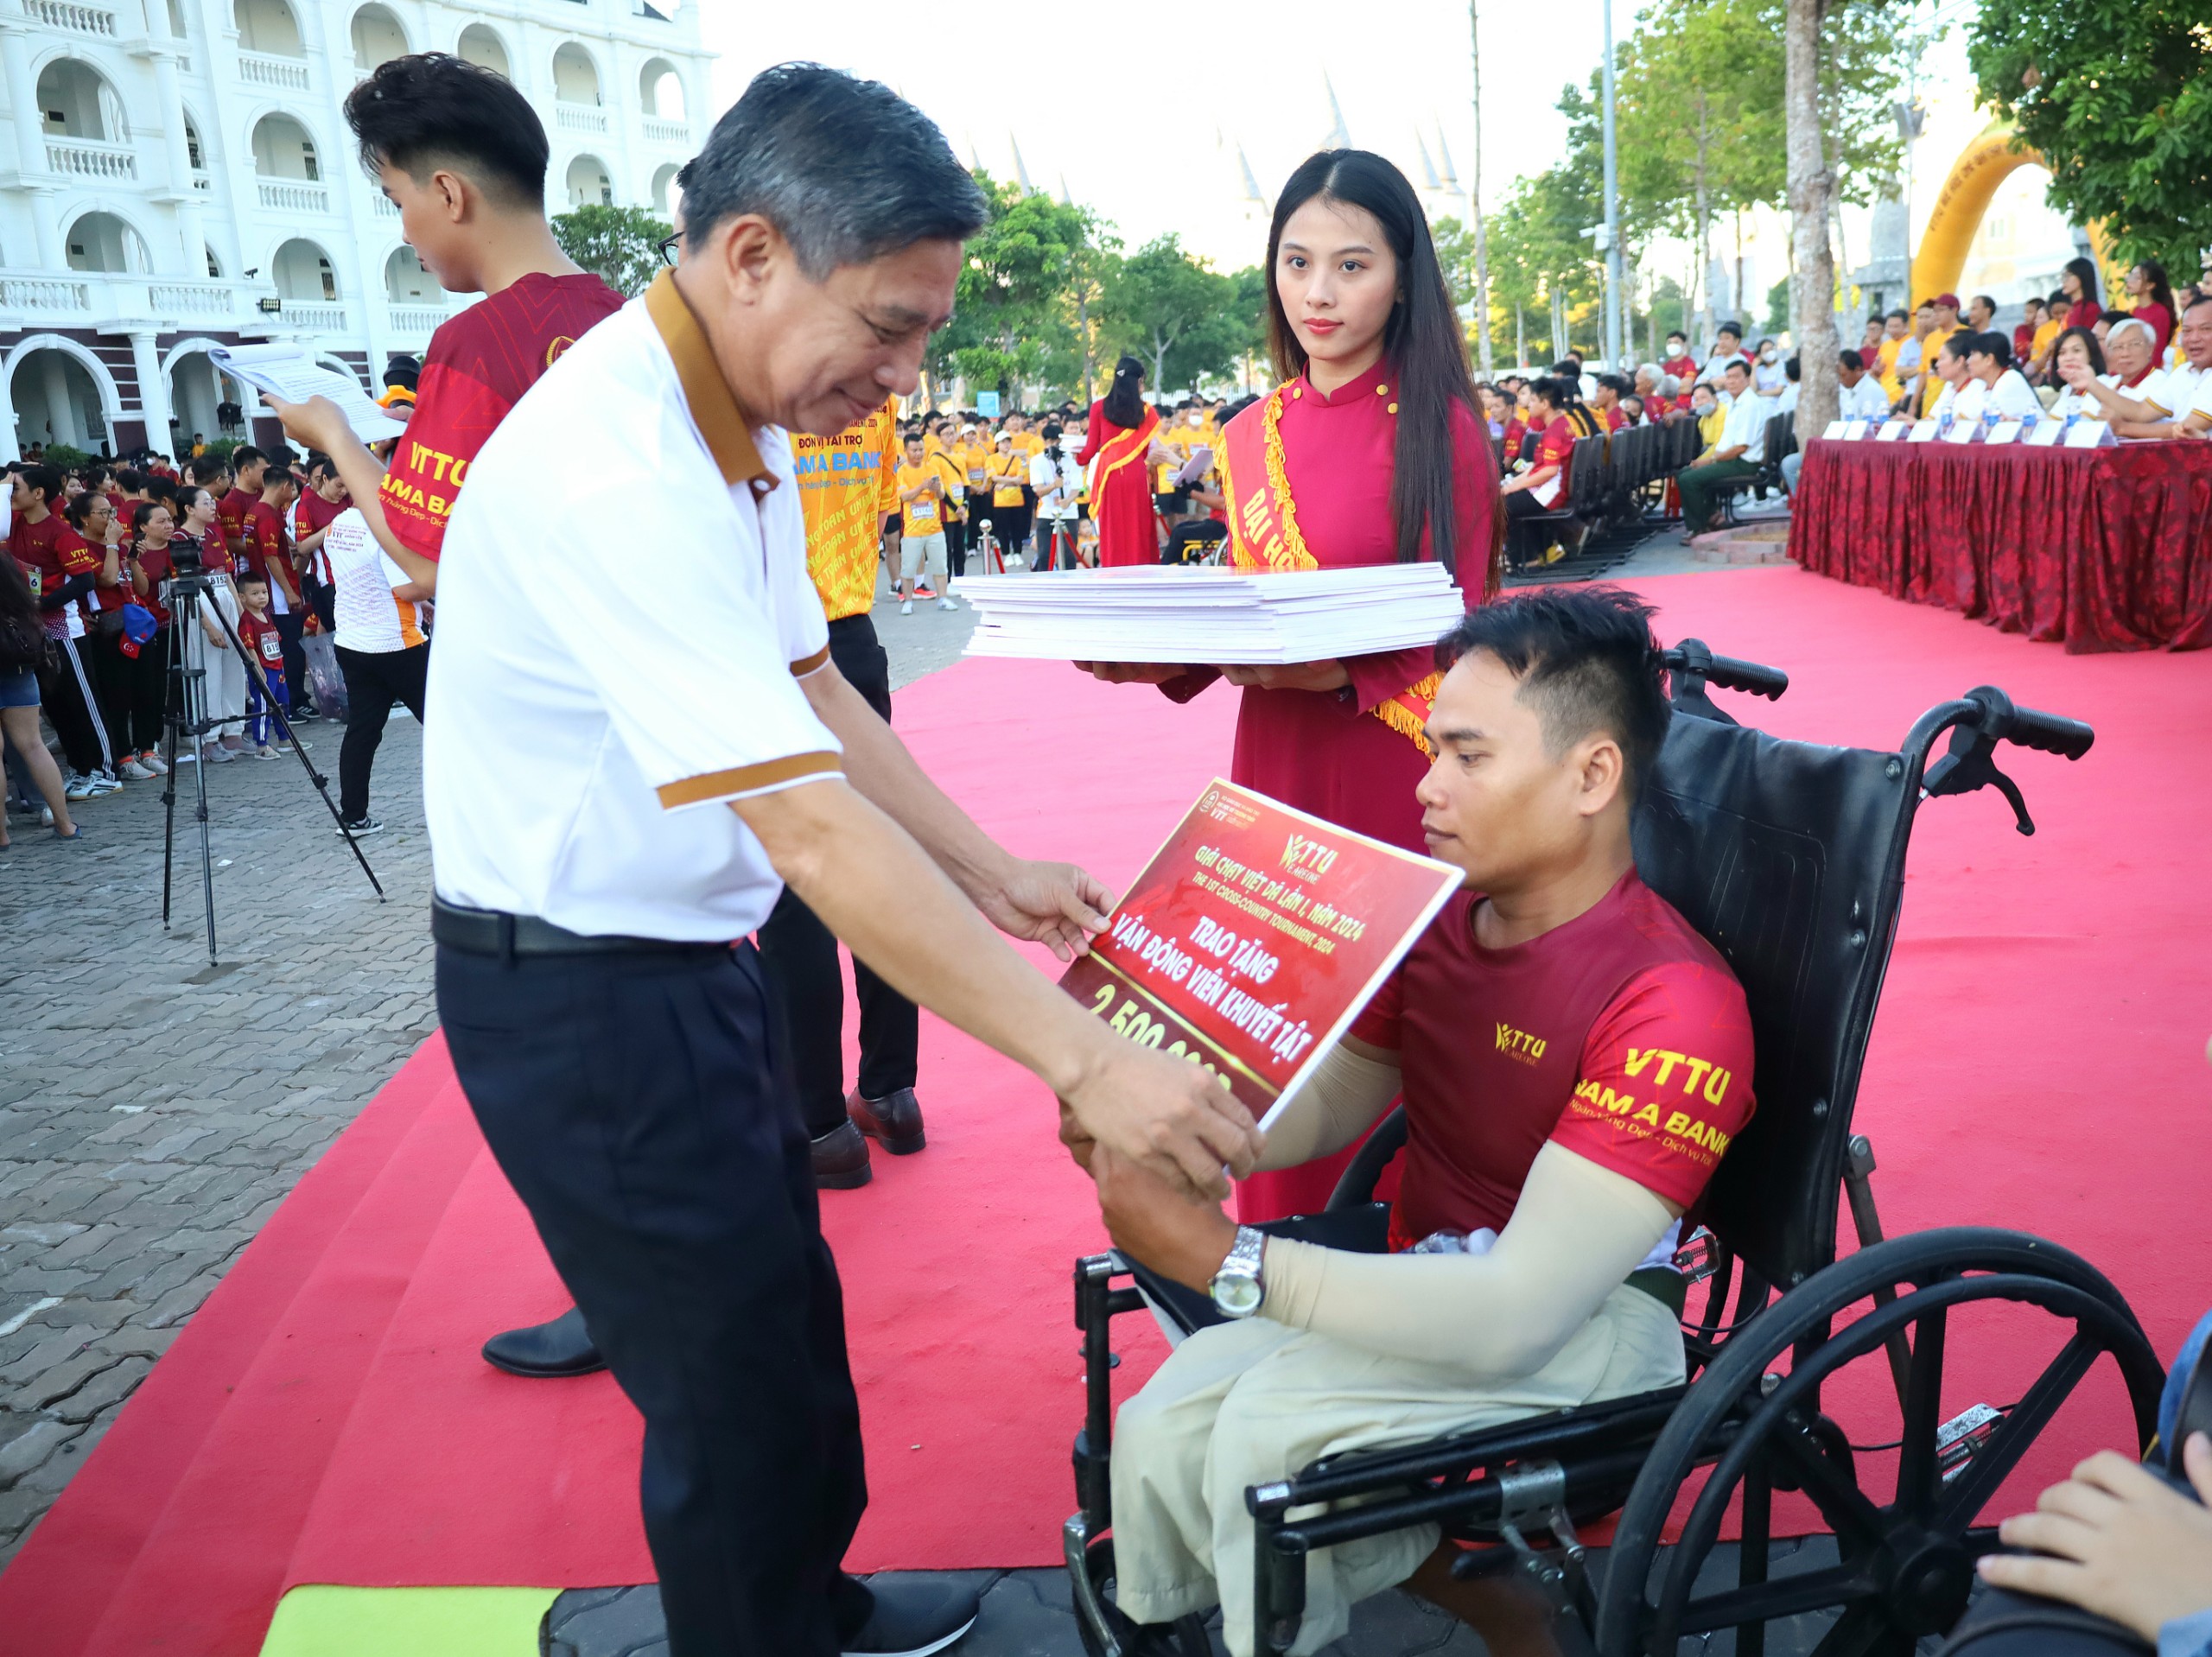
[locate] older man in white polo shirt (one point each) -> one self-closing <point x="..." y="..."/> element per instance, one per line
<point x="617" y="788"/>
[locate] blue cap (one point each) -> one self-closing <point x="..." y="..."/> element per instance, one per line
<point x="139" y="624"/>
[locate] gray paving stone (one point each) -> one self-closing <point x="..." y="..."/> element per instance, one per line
<point x="29" y="1442"/>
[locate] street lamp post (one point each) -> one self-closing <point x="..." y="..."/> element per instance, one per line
<point x="1615" y="346"/>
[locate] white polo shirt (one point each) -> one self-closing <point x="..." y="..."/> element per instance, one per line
<point x="1747" y="418"/>
<point x="2175" y="392"/>
<point x="601" y="691"/>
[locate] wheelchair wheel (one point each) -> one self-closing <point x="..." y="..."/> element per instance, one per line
<point x="1185" y="1637"/>
<point x="1907" y="1513"/>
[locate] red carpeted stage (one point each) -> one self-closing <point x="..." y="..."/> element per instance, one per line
<point x="2038" y="1062"/>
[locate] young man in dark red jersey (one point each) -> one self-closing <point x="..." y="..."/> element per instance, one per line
<point x="248" y="465"/>
<point x="269" y="554"/>
<point x="463" y="155"/>
<point x="1574" y="1060"/>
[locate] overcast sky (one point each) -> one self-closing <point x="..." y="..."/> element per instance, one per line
<point x="1128" y="111"/>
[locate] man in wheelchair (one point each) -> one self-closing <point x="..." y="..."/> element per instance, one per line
<point x="1574" y="1058"/>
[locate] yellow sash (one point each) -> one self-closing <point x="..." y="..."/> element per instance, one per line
<point x="1263" y="534"/>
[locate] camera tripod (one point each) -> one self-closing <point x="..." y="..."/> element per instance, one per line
<point x="184" y="720"/>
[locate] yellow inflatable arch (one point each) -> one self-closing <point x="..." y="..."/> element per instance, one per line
<point x="1981" y="167"/>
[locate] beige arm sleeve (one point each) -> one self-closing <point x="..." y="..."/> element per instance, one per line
<point x="1576" y="1233"/>
<point x="1340" y="1101"/>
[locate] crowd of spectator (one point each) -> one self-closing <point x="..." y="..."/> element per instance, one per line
<point x="95" y="554"/>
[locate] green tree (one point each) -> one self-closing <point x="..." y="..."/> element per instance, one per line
<point x="1014" y="320"/>
<point x="620" y="245"/>
<point x="1175" y="311"/>
<point x="2117" y="98"/>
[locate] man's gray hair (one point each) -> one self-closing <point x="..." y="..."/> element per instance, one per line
<point x="845" y="168"/>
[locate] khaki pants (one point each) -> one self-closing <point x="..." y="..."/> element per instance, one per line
<point x="917" y="553"/>
<point x="1245" y="1403"/>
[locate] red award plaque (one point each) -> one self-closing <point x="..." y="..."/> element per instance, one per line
<point x="1252" y="937"/>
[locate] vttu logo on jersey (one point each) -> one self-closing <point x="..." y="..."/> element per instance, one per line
<point x="1696" y="1072"/>
<point x="1519" y="1045"/>
<point x="1307" y="860"/>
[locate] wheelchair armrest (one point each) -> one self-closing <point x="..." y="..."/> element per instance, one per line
<point x="1357" y="1186"/>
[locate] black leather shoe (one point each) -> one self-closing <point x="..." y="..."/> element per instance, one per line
<point x="546" y="1351"/>
<point x="894" y="1121"/>
<point x="912" y="1617"/>
<point x="841" y="1159"/>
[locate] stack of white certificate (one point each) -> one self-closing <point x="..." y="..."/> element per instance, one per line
<point x="1219" y="616"/>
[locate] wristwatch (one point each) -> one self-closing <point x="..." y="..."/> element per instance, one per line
<point x="1237" y="1288"/>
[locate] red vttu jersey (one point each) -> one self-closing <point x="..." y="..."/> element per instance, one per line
<point x="479" y="364"/>
<point x="1621" y="1035"/>
<point x="262" y="639"/>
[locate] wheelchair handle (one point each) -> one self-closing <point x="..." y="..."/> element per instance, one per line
<point x="1726" y="672"/>
<point x="2029" y="727"/>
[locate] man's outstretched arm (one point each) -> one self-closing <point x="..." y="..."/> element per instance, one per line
<point x="873" y="887"/>
<point x="1055" y="904"/>
<point x="320" y="424"/>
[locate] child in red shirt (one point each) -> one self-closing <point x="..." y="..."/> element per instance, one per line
<point x="257" y="632"/>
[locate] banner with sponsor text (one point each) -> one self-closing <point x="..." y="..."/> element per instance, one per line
<point x="1252" y="937"/>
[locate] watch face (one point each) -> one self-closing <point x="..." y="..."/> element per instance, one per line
<point x="1238" y="1296"/>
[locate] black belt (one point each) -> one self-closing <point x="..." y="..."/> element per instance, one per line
<point x="493" y="932"/>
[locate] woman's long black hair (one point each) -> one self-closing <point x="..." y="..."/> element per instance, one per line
<point x="2085" y="272"/>
<point x="1124" y="403"/>
<point x="1421" y="341"/>
<point x="2162" y="291"/>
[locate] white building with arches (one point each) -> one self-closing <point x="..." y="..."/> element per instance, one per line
<point x="181" y="177"/>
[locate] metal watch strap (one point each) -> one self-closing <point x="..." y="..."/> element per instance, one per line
<point x="1243" y="1260"/>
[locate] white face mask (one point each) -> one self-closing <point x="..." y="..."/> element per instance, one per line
<point x="1195" y="418"/>
<point x="1767" y="356"/>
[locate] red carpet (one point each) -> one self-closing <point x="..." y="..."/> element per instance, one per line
<point x="2038" y="1064"/>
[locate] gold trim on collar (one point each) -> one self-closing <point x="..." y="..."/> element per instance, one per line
<point x="713" y="409"/>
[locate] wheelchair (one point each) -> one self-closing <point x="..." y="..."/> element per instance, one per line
<point x="1789" y="857"/>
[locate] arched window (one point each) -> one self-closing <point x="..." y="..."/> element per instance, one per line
<point x="269" y="26"/>
<point x="589" y="183"/>
<point x="405" y="281"/>
<point x="58" y="400"/>
<point x="660" y="89"/>
<point x="378" y="37"/>
<point x="480" y="44"/>
<point x="303" y="272"/>
<point x="101" y="241"/>
<point x="576" y="77"/>
<point x="75" y="101"/>
<point x="282" y="148"/>
<point x="664" y="188"/>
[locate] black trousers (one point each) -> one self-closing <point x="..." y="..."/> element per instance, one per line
<point x="72" y="706"/>
<point x="799" y="955"/>
<point x="112" y="673"/>
<point x="373" y="678"/>
<point x="638" y="1105"/>
<point x="289" y="628"/>
<point x="148" y="673"/>
<point x="956" y="545"/>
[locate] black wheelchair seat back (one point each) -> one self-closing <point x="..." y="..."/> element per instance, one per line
<point x="1788" y="857"/>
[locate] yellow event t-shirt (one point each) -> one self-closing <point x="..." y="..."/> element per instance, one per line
<point x="846" y="484"/>
<point x="924" y="514"/>
<point x="1009" y="473"/>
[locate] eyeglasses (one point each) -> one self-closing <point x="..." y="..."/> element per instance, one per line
<point x="668" y="248"/>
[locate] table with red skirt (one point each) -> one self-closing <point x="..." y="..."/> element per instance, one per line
<point x="2101" y="549"/>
